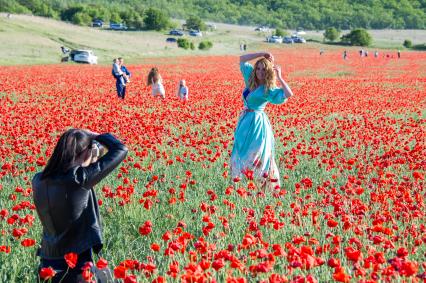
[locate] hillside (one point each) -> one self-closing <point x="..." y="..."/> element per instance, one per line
<point x="307" y="14"/>
<point x="37" y="40"/>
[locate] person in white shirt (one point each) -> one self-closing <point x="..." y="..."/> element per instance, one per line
<point x="183" y="91"/>
<point x="154" y="79"/>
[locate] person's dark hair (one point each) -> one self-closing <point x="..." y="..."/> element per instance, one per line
<point x="119" y="58"/>
<point x="153" y="76"/>
<point x="69" y="149"/>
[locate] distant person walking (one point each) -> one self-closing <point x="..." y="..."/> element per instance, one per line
<point x="399" y="54"/>
<point x="345" y="55"/>
<point x="376" y="54"/>
<point x="253" y="153"/>
<point x="155" y="80"/>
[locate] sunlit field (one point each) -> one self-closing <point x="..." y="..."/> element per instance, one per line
<point x="350" y="146"/>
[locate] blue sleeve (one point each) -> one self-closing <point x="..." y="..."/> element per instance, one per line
<point x="276" y="96"/>
<point x="246" y="70"/>
<point x="124" y="69"/>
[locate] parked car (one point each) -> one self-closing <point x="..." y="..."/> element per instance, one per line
<point x="211" y="27"/>
<point x="195" y="33"/>
<point x="171" y="39"/>
<point x="83" y="56"/>
<point x="115" y="26"/>
<point x="97" y="23"/>
<point x="288" y="40"/>
<point x="261" y="28"/>
<point x="298" y="39"/>
<point x="176" y="32"/>
<point x="275" y="39"/>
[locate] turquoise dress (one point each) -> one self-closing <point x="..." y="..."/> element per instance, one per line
<point x="253" y="138"/>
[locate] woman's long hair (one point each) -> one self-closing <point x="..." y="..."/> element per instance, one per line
<point x="153" y="76"/>
<point x="71" y="147"/>
<point x="269" y="75"/>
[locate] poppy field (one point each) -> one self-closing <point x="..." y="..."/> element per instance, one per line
<point x="350" y="146"/>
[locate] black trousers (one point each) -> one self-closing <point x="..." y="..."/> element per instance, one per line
<point x="64" y="274"/>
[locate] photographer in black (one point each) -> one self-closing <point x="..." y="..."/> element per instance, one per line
<point x="66" y="202"/>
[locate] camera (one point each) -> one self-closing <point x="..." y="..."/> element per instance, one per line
<point x="97" y="149"/>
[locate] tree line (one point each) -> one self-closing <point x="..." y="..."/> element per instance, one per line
<point x="287" y="14"/>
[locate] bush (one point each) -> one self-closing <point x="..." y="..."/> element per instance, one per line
<point x="205" y="45"/>
<point x="421" y="47"/>
<point x="81" y="19"/>
<point x="194" y="22"/>
<point x="155" y="19"/>
<point x="192" y="46"/>
<point x="331" y="34"/>
<point x="183" y="43"/>
<point x="280" y="32"/>
<point x="407" y="43"/>
<point x="358" y="37"/>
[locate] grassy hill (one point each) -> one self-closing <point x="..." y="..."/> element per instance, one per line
<point x="37" y="40"/>
<point x="30" y="39"/>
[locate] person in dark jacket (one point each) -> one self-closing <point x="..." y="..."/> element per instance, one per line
<point x="66" y="202"/>
<point x="119" y="83"/>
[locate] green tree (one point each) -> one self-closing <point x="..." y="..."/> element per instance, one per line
<point x="183" y="43"/>
<point x="407" y="43"/>
<point x="194" y="22"/>
<point x="68" y="13"/>
<point x="81" y="19"/>
<point x="205" y="45"/>
<point x="115" y="17"/>
<point x="280" y="32"/>
<point x="156" y="19"/>
<point x="359" y="37"/>
<point x="331" y="34"/>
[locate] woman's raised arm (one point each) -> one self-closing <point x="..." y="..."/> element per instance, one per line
<point x="287" y="91"/>
<point x="247" y="57"/>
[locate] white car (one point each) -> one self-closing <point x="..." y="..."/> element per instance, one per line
<point x="275" y="39"/>
<point x="84" y="56"/>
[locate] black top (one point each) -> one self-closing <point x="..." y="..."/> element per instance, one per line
<point x="67" y="206"/>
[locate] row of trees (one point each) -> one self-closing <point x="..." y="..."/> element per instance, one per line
<point x="358" y="36"/>
<point x="288" y="14"/>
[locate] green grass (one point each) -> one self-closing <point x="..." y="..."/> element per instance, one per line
<point x="36" y="40"/>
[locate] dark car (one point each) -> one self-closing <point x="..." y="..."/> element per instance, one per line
<point x="176" y="32"/>
<point x="97" y="23"/>
<point x="288" y="40"/>
<point x="171" y="39"/>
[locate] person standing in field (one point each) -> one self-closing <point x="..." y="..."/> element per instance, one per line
<point x="345" y="55"/>
<point x="183" y="91"/>
<point x="155" y="80"/>
<point x="121" y="75"/>
<point x="254" y="145"/>
<point x="66" y="202"/>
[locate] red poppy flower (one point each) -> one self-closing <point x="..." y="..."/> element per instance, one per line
<point x="71" y="259"/>
<point x="47" y="273"/>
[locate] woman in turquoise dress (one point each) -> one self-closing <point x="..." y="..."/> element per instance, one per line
<point x="253" y="154"/>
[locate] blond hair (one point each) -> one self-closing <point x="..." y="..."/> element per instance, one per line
<point x="269" y="75"/>
<point x="153" y="76"/>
